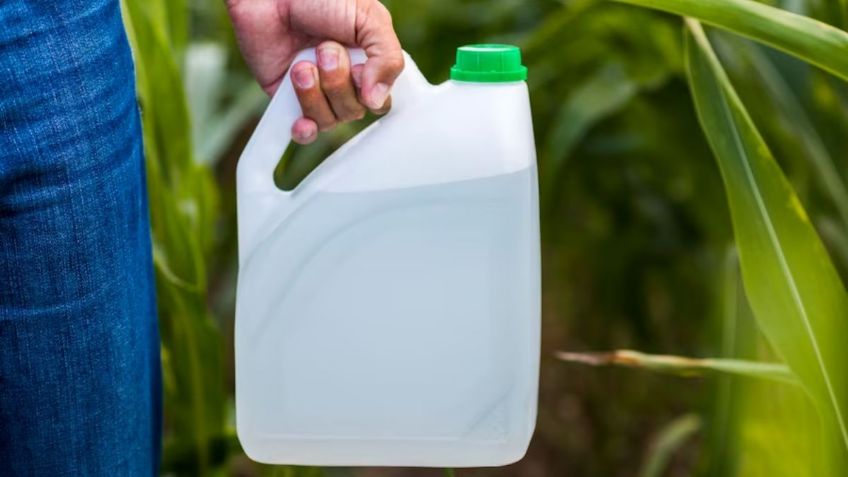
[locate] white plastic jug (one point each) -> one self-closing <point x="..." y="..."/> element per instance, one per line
<point x="388" y="308"/>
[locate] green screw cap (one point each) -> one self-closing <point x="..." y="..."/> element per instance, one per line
<point x="488" y="63"/>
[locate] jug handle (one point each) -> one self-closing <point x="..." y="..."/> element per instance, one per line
<point x="273" y="133"/>
<point x="255" y="169"/>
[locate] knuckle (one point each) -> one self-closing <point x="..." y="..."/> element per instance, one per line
<point x="329" y="44"/>
<point x="333" y="84"/>
<point x="326" y="125"/>
<point x="394" y="63"/>
<point x="353" y="114"/>
<point x="382" y="12"/>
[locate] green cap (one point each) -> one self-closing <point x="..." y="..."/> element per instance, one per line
<point x="488" y="63"/>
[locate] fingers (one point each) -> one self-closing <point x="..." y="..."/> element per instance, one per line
<point x="336" y="82"/>
<point x="304" y="131"/>
<point x="375" y="34"/>
<point x="313" y="103"/>
<point x="330" y="92"/>
<point x="356" y="73"/>
<point x="364" y="23"/>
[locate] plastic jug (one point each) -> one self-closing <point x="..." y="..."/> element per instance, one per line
<point x="388" y="308"/>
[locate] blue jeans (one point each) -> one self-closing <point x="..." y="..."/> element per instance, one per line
<point x="79" y="348"/>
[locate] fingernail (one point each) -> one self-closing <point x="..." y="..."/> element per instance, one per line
<point x="303" y="135"/>
<point x="328" y="58"/>
<point x="304" y="78"/>
<point x="379" y="93"/>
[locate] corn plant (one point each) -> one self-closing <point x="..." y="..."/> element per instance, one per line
<point x="794" y="289"/>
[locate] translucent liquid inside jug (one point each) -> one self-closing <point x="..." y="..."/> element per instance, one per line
<point x="395" y="314"/>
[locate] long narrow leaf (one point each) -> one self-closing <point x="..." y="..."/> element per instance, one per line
<point x="737" y="331"/>
<point x="786" y="105"/>
<point x="808" y="39"/>
<point x="681" y="365"/>
<point x="670" y="439"/>
<point x="603" y="94"/>
<point x="180" y="204"/>
<point x="794" y="290"/>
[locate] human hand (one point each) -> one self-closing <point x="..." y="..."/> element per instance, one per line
<point x="271" y="32"/>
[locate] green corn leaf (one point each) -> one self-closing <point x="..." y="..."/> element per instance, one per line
<point x="605" y="93"/>
<point x="177" y="18"/>
<point x="555" y="25"/>
<point x="785" y="108"/>
<point x="793" y="288"/>
<point x="737" y="332"/>
<point x="669" y="440"/>
<point x="756" y="427"/>
<point x="808" y="39"/>
<point x="601" y="95"/>
<point x="181" y="207"/>
<point x="681" y="365"/>
<point x="835" y="236"/>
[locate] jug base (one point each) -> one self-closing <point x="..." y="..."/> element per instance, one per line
<point x="384" y="452"/>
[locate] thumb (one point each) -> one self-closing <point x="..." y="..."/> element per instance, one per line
<point x="375" y="35"/>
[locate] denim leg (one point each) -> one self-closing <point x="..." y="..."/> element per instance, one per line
<point x="80" y="386"/>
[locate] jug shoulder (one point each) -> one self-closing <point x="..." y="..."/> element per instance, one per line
<point x="455" y="132"/>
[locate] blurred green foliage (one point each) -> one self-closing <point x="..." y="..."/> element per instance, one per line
<point x="637" y="233"/>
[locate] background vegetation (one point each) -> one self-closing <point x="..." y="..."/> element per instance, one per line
<point x="668" y="158"/>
